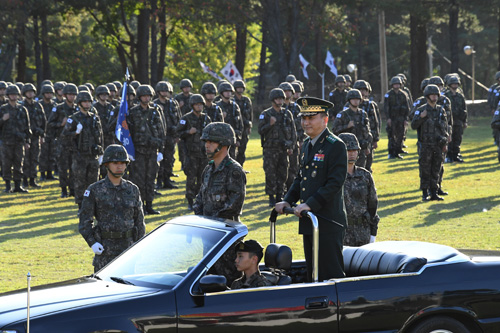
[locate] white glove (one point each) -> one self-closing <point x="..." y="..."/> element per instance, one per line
<point x="97" y="248"/>
<point x="159" y="158"/>
<point x="79" y="128"/>
<point x="372" y="239"/>
<point x="99" y="159"/>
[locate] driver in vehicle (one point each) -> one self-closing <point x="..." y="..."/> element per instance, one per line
<point x="248" y="256"/>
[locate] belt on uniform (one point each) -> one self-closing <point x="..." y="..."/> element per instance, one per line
<point x="116" y="234"/>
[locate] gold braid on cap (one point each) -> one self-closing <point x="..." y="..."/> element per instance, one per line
<point x="312" y="108"/>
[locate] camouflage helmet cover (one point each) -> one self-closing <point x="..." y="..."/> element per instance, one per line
<point x="44" y="82"/>
<point x="290" y="78"/>
<point x="118" y="84"/>
<point x="195" y="99"/>
<point x="454" y="79"/>
<point x="497" y="76"/>
<point x="28" y="87"/>
<point x="144" y="90"/>
<point x="219" y="132"/>
<point x="83" y="87"/>
<point x="59" y="85"/>
<point x="396" y="80"/>
<point x="360" y="84"/>
<point x="130" y="90"/>
<point x="225" y="86"/>
<point x="424" y="83"/>
<point x="102" y="89"/>
<point x="90" y="86"/>
<point x="162" y="86"/>
<point x="13" y="90"/>
<point x="339" y="79"/>
<point x="115" y="153"/>
<point x="208" y="88"/>
<point x="47" y="89"/>
<point x="297" y="86"/>
<point x="437" y="80"/>
<point x="111" y="86"/>
<point x="3" y="85"/>
<point x="353" y="94"/>
<point x="20" y="85"/>
<point x="276" y="93"/>
<point x="135" y="84"/>
<point x="347" y="78"/>
<point x="431" y="89"/>
<point x="185" y="83"/>
<point x="350" y="140"/>
<point x="83" y="96"/>
<point x="239" y="84"/>
<point x="286" y="86"/>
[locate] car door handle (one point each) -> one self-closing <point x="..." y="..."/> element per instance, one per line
<point x="316" y="303"/>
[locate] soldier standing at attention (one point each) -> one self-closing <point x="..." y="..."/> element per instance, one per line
<point x="348" y="82"/>
<point x="38" y="123"/>
<point x="57" y="121"/>
<point x="232" y="114"/>
<point x="245" y="104"/>
<point x="355" y="120"/>
<point x="248" y="255"/>
<point x="190" y="130"/>
<point x="338" y="96"/>
<point x="146" y="129"/>
<point x="117" y="207"/>
<point x="106" y="113"/>
<point x="360" y="197"/>
<point x="223" y="186"/>
<point x="183" y="97"/>
<point x="15" y="136"/>
<point x="396" y="109"/>
<point x="278" y="137"/>
<point x="49" y="143"/>
<point x="433" y="140"/>
<point x="58" y="90"/>
<point x="208" y="91"/>
<point x="83" y="131"/>
<point x="459" y="114"/>
<point x="319" y="186"/>
<point x="172" y="115"/>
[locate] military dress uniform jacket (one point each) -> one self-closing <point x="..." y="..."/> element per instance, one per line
<point x="15" y="130"/>
<point x="117" y="210"/>
<point x="222" y="191"/>
<point x="320" y="182"/>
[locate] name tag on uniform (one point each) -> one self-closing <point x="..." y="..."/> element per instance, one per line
<point x="87" y="193"/>
<point x="319" y="157"/>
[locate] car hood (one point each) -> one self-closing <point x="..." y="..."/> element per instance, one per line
<point x="64" y="295"/>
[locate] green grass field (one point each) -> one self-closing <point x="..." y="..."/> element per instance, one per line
<point x="39" y="231"/>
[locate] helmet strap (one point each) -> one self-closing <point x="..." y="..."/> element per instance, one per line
<point x="218" y="149"/>
<point x="117" y="175"/>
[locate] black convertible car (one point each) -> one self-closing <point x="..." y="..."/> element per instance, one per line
<point x="161" y="285"/>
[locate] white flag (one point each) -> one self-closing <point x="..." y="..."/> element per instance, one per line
<point x="330" y="62"/>
<point x="230" y="72"/>
<point x="210" y="71"/>
<point x="304" y="64"/>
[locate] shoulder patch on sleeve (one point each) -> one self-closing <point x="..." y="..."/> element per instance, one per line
<point x="54" y="109"/>
<point x="111" y="113"/>
<point x="87" y="193"/>
<point x="261" y="116"/>
<point x="497" y="112"/>
<point x="70" y="120"/>
<point x="417" y="112"/>
<point x="386" y="95"/>
<point x="331" y="139"/>
<point x="339" y="115"/>
<point x="182" y="122"/>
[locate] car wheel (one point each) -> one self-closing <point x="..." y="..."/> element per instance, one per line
<point x="440" y="325"/>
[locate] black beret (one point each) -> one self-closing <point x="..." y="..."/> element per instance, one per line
<point x="311" y="106"/>
<point x="249" y="246"/>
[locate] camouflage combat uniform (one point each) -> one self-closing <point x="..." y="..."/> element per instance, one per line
<point x="361" y="202"/>
<point x="256" y="280"/>
<point x="495" y="125"/>
<point x="119" y="218"/>
<point x="38" y="123"/>
<point x="184" y="100"/>
<point x="245" y="104"/>
<point x="459" y="116"/>
<point x="108" y="116"/>
<point x="373" y="111"/>
<point x="276" y="139"/>
<point x="49" y="146"/>
<point x="214" y="112"/>
<point x="397" y="109"/>
<point x="232" y="116"/>
<point x="338" y="98"/>
<point x="222" y="190"/>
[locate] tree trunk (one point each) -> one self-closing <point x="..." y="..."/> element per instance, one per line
<point x="271" y="7"/>
<point x="319" y="60"/>
<point x="261" y="93"/>
<point x="453" y="26"/>
<point x="241" y="48"/>
<point x="154" y="44"/>
<point x="163" y="40"/>
<point x="21" y="48"/>
<point x="46" y="75"/>
<point x="38" y="55"/>
<point x="142" y="46"/>
<point x="418" y="53"/>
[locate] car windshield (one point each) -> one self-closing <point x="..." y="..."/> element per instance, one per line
<point x="164" y="257"/>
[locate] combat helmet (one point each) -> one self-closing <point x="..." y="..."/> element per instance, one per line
<point x="239" y="84"/>
<point x="347" y="78"/>
<point x="3" y="84"/>
<point x="403" y="77"/>
<point x="13" y="90"/>
<point x="83" y="96"/>
<point x="118" y="85"/>
<point x="340" y="79"/>
<point x="47" y="89"/>
<point x="454" y="79"/>
<point x="290" y="78"/>
<point x="437" y="80"/>
<point x="162" y="86"/>
<point x="286" y="86"/>
<point x="83" y="87"/>
<point x="431" y="89"/>
<point x="20" y="85"/>
<point x="276" y="93"/>
<point x="196" y="98"/>
<point x="28" y="87"/>
<point x="111" y="86"/>
<point x="144" y="90"/>
<point x="497" y="76"/>
<point x="297" y="86"/>
<point x="135" y="84"/>
<point x="424" y="83"/>
<point x="115" y="153"/>
<point x="350" y="140"/>
<point x="59" y="85"/>
<point x="219" y="132"/>
<point x="208" y="88"/>
<point x="396" y="80"/>
<point x="353" y="94"/>
<point x="130" y="90"/>
<point x="44" y="82"/>
<point x="225" y="86"/>
<point x="360" y="84"/>
<point x="185" y="83"/>
<point x="90" y="86"/>
<point x="102" y="89"/>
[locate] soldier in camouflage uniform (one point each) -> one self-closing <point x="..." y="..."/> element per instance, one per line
<point x="83" y="131"/>
<point x="190" y="130"/>
<point x="38" y="123"/>
<point x="58" y="91"/>
<point x="232" y="114"/>
<point x="147" y="131"/>
<point x="209" y="91"/>
<point x="223" y="186"/>
<point x="113" y="98"/>
<point x="433" y="139"/>
<point x="245" y="104"/>
<point x="360" y="197"/>
<point x="172" y="115"/>
<point x="355" y="120"/>
<point x="117" y="207"/>
<point x="106" y="112"/>
<point x="396" y="109"/>
<point x="57" y="121"/>
<point x="49" y="143"/>
<point x="3" y="89"/>
<point x="338" y="96"/>
<point x="15" y="134"/>
<point x="248" y="256"/>
<point x="494" y="93"/>
<point x="348" y="82"/>
<point x="184" y="96"/>
<point x="495" y="125"/>
<point x="278" y="138"/>
<point x="459" y="115"/>
<point x="290" y="78"/>
<point x="290" y="105"/>
<point x="371" y="108"/>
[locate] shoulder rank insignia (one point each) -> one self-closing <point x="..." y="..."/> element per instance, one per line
<point x="331" y="138"/>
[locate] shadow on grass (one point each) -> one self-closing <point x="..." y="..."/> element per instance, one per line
<point x="457" y="209"/>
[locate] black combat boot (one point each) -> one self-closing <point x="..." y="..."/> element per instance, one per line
<point x="50" y="176"/>
<point x="64" y="192"/>
<point x="435" y="196"/>
<point x="190" y="204"/>
<point x="8" y="189"/>
<point x="149" y="208"/>
<point x="441" y="192"/>
<point x="42" y="176"/>
<point x="158" y="184"/>
<point x="71" y="192"/>
<point x="168" y="184"/>
<point x="425" y="195"/>
<point x="156" y="192"/>
<point x="272" y="201"/>
<point x="25" y="182"/>
<point x="18" y="188"/>
<point x="34" y="184"/>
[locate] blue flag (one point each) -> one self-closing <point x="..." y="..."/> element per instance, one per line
<point x="122" y="132"/>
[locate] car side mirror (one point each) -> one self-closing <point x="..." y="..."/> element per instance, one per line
<point x="213" y="283"/>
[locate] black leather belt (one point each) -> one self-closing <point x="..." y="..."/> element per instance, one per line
<point x="116" y="234"/>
